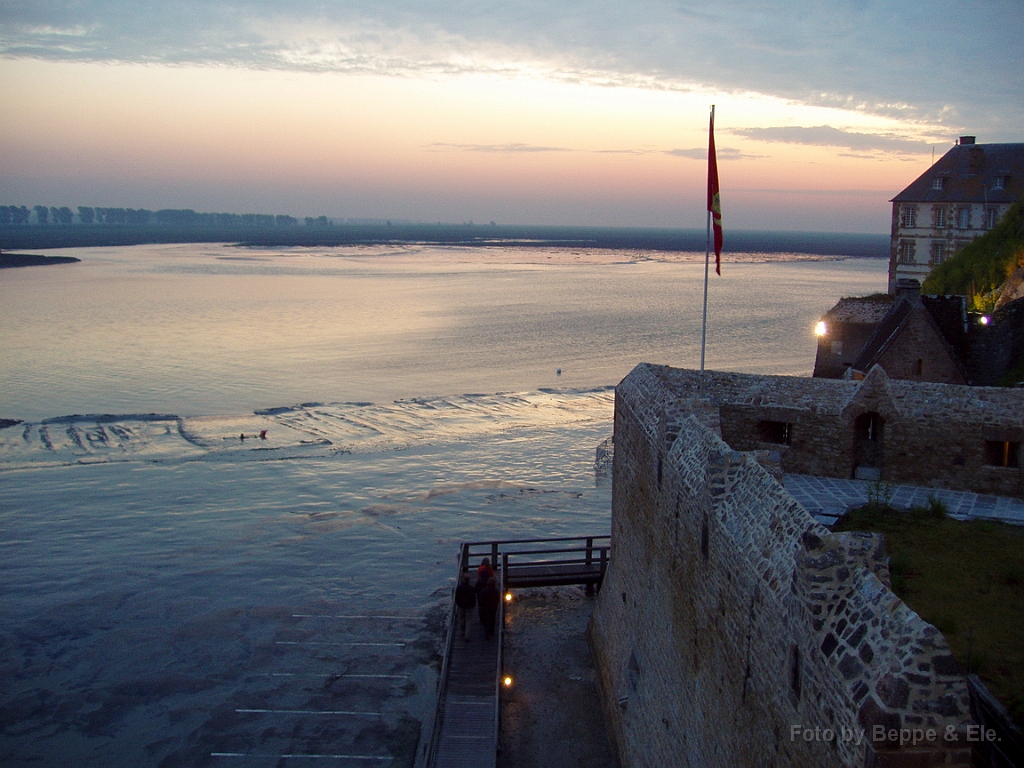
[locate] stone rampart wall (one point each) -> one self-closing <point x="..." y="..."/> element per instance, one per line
<point x="936" y="435"/>
<point x="733" y="630"/>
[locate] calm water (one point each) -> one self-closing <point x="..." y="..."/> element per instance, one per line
<point x="174" y="596"/>
<point x="204" y="329"/>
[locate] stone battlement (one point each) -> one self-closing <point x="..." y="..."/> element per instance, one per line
<point x="733" y="629"/>
<point x="937" y="435"/>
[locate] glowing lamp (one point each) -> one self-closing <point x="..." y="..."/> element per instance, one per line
<point x="820" y="329"/>
<point x="507" y="681"/>
<point x="508" y="597"/>
<point x="985" y="319"/>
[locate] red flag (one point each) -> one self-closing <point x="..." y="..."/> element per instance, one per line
<point x="714" y="198"/>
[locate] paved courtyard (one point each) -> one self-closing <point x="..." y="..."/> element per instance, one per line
<point x="828" y="499"/>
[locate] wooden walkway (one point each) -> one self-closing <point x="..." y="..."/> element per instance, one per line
<point x="467" y="718"/>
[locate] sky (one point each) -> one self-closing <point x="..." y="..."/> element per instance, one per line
<point x="588" y="112"/>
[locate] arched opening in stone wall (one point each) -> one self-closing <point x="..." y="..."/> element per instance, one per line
<point x="868" y="446"/>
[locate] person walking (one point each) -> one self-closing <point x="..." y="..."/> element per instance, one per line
<point x="465" y="602"/>
<point x="488" y="600"/>
<point x="483" y="573"/>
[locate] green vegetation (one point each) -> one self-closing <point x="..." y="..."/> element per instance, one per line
<point x="966" y="578"/>
<point x="979" y="269"/>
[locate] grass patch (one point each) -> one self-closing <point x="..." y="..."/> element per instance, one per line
<point x="966" y="578"/>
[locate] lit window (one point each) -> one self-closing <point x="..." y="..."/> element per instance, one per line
<point x="963" y="218"/>
<point x="908" y="216"/>
<point x="939" y="218"/>
<point x="938" y="252"/>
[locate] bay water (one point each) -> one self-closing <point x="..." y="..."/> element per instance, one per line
<point x="177" y="590"/>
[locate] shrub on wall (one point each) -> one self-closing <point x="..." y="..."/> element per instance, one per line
<point x="980" y="268"/>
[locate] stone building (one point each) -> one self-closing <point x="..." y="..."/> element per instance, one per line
<point x="914" y="337"/>
<point x="932" y="435"/>
<point x="734" y="630"/>
<point x="960" y="197"/>
<point x="920" y="338"/>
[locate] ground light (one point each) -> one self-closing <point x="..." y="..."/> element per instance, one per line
<point x="508" y="597"/>
<point x="506" y="681"/>
<point x="820" y="329"/>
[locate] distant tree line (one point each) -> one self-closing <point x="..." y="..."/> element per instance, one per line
<point x="43" y="215"/>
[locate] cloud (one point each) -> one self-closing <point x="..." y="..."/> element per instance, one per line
<point x="721" y="153"/>
<point x="827" y="136"/>
<point x="512" y="148"/>
<point x="872" y="194"/>
<point x="934" y="62"/>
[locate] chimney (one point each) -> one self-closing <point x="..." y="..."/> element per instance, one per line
<point x="909" y="288"/>
<point x="967" y="140"/>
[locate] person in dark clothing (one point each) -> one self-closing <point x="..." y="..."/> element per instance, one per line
<point x="488" y="600"/>
<point x="465" y="602"/>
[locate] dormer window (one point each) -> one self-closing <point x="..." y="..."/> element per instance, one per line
<point x="939" y="182"/>
<point x="999" y="182"/>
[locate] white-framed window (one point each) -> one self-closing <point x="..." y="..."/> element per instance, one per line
<point x="939" y="217"/>
<point x="938" y="182"/>
<point x="938" y="254"/>
<point x="991" y="217"/>
<point x="963" y="218"/>
<point x="999" y="182"/>
<point x="908" y="216"/>
<point x="906" y="252"/>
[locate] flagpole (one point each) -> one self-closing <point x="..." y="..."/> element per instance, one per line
<point x="707" y="261"/>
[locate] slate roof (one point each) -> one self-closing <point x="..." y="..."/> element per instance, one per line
<point x="882" y="335"/>
<point x="970" y="172"/>
<point x="947" y="315"/>
<point x="858" y="309"/>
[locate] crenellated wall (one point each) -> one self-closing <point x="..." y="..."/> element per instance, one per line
<point x="734" y="630"/>
<point x="937" y="435"/>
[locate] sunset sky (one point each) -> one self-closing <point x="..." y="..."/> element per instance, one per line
<point x="522" y="112"/>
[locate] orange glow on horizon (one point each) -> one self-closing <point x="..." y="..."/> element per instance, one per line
<point x="473" y="137"/>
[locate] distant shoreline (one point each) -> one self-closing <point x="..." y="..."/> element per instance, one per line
<point x="12" y="260"/>
<point x="610" y="238"/>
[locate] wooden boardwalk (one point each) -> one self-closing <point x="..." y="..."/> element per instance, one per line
<point x="467" y="718"/>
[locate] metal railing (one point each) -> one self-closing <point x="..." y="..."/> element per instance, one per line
<point x="505" y="557"/>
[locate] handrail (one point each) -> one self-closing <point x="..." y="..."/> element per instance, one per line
<point x="532" y="541"/>
<point x="553" y="551"/>
<point x="500" y="563"/>
<point x="501" y="660"/>
<point x="495" y="547"/>
<point x="446" y="655"/>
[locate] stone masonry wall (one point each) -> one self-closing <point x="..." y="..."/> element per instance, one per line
<point x="921" y="339"/>
<point x="934" y="434"/>
<point x="733" y="630"/>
